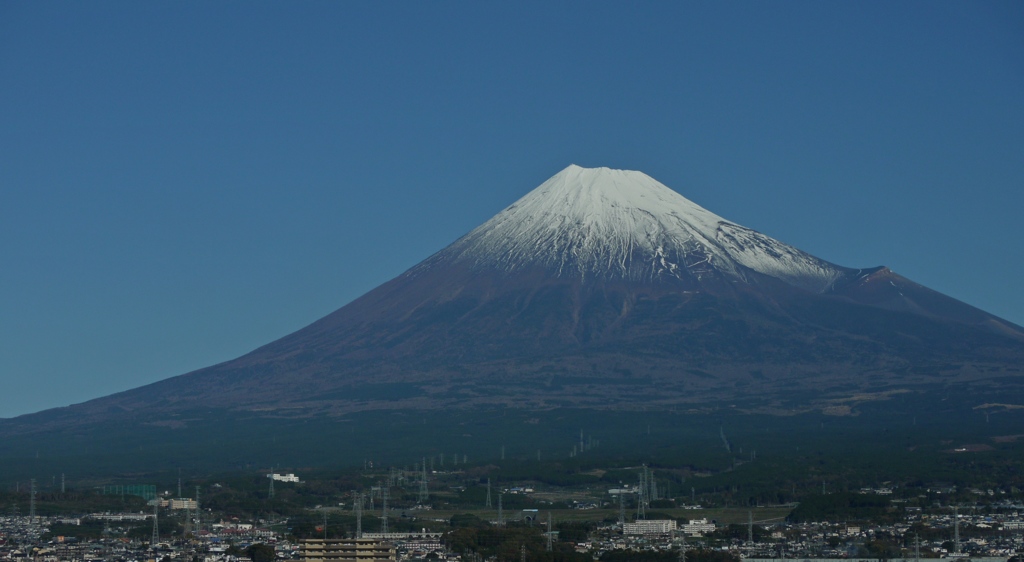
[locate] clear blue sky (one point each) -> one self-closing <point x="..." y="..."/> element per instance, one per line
<point x="181" y="182"/>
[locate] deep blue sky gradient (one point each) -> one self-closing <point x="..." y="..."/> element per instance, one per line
<point x="181" y="182"/>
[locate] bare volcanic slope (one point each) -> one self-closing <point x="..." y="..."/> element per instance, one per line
<point x="605" y="289"/>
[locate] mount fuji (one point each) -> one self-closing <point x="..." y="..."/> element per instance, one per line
<point x="604" y="289"/>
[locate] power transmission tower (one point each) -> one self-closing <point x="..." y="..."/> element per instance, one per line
<point x="622" y="508"/>
<point x="384" y="515"/>
<point x="156" y="526"/>
<point x="750" y="527"/>
<point x="62" y="482"/>
<point x="549" y="532"/>
<point x="270" y="493"/>
<point x="424" y="494"/>
<point x="32" y="501"/>
<point x="642" y="491"/>
<point x="501" y="516"/>
<point x="359" y="516"/>
<point x="955" y="528"/>
<point x="179" y="482"/>
<point x="488" y="492"/>
<point x="199" y="514"/>
<point x="522" y="553"/>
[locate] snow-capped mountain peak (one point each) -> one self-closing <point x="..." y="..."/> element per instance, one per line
<point x="604" y="223"/>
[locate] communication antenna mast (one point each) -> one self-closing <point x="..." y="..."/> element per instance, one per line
<point x="270" y="493"/>
<point x="179" y="482"/>
<point x="917" y="548"/>
<point x="156" y="526"/>
<point x="32" y="500"/>
<point x="62" y="482"/>
<point x="488" y="492"/>
<point x="622" y="508"/>
<point x="501" y="516"/>
<point x="956" y="529"/>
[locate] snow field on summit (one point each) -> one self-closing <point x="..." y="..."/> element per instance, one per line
<point x="607" y="224"/>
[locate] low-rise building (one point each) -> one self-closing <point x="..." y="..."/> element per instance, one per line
<point x="698" y="527"/>
<point x="649" y="527"/>
<point x="346" y="550"/>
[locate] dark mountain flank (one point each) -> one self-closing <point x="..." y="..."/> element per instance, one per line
<point x="603" y="289"/>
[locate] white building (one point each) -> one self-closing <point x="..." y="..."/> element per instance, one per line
<point x="284" y="477"/>
<point x="649" y="527"/>
<point x="698" y="527"/>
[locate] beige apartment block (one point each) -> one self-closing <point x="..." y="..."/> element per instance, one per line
<point x="362" y="550"/>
